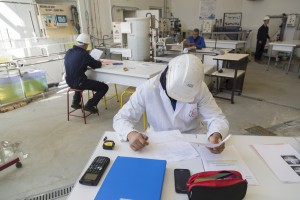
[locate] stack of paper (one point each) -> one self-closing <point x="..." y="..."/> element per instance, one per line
<point x="282" y="159"/>
<point x="169" y="145"/>
<point x="201" y="139"/>
<point x="229" y="159"/>
<point x="96" y="54"/>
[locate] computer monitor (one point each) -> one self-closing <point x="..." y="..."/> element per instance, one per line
<point x="61" y="20"/>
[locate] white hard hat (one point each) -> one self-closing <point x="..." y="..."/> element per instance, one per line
<point x="184" y="78"/>
<point x="83" y="38"/>
<point x="266" y="18"/>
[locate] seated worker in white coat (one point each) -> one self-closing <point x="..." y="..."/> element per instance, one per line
<point x="177" y="98"/>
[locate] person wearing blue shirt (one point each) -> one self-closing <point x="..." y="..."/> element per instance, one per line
<point x="197" y="40"/>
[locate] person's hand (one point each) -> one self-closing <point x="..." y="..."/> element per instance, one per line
<point x="137" y="140"/>
<point x="215" y="138"/>
<point x="259" y="41"/>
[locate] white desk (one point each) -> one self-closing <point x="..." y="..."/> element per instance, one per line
<point x="269" y="188"/>
<point x="285" y="46"/>
<point x="225" y="44"/>
<point x="210" y="51"/>
<point x="164" y="58"/>
<point x="138" y="72"/>
<point x="201" y="52"/>
<point x="234" y="73"/>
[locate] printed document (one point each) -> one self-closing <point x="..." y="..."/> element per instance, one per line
<point x="282" y="159"/>
<point x="201" y="139"/>
<point x="169" y="145"/>
<point x="96" y="54"/>
<point x="229" y="159"/>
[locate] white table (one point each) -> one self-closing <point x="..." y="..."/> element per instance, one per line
<point x="211" y="51"/>
<point x="225" y="44"/>
<point x="285" y="46"/>
<point x="138" y="72"/>
<point x="204" y="51"/>
<point x="269" y="188"/>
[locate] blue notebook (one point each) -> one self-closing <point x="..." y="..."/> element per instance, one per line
<point x="133" y="179"/>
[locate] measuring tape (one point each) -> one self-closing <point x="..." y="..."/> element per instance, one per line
<point x="108" y="144"/>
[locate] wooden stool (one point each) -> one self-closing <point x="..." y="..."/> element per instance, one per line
<point x="84" y="116"/>
<point x="130" y="91"/>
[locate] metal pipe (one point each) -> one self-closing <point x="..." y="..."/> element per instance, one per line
<point x="92" y="22"/>
<point x="91" y="17"/>
<point x="87" y="18"/>
<point x="95" y="19"/>
<point x="99" y="16"/>
<point x="165" y="8"/>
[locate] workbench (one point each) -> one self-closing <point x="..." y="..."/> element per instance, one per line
<point x="285" y="46"/>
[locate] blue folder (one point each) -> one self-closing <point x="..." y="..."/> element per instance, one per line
<point x="133" y="179"/>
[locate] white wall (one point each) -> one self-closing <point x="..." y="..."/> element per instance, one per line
<point x="188" y="11"/>
<point x="254" y="11"/>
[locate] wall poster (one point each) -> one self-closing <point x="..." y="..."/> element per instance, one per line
<point x="232" y="19"/>
<point x="207" y="9"/>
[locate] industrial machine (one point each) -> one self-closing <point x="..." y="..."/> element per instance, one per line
<point x="175" y="29"/>
<point x="287" y="26"/>
<point x="146" y="36"/>
<point x="284" y="27"/>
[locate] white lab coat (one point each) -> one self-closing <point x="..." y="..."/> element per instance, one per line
<point x="151" y="98"/>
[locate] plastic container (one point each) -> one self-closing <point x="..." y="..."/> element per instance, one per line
<point x="10" y="88"/>
<point x="34" y="82"/>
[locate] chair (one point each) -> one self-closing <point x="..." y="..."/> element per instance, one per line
<point x="130" y="91"/>
<point x="84" y="115"/>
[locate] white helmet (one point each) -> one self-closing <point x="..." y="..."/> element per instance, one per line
<point x="266" y="18"/>
<point x="83" y="38"/>
<point x="184" y="78"/>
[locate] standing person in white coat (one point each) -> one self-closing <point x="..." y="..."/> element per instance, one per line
<point x="175" y="99"/>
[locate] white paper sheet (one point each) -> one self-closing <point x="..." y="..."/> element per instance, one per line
<point x="282" y="159"/>
<point x="169" y="145"/>
<point x="229" y="159"/>
<point x="125" y="27"/>
<point x="126" y="53"/>
<point x="96" y="54"/>
<point x="297" y="138"/>
<point x="201" y="139"/>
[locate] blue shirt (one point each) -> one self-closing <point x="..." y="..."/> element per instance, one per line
<point x="199" y="42"/>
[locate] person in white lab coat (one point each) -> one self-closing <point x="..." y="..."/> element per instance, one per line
<point x="177" y="98"/>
